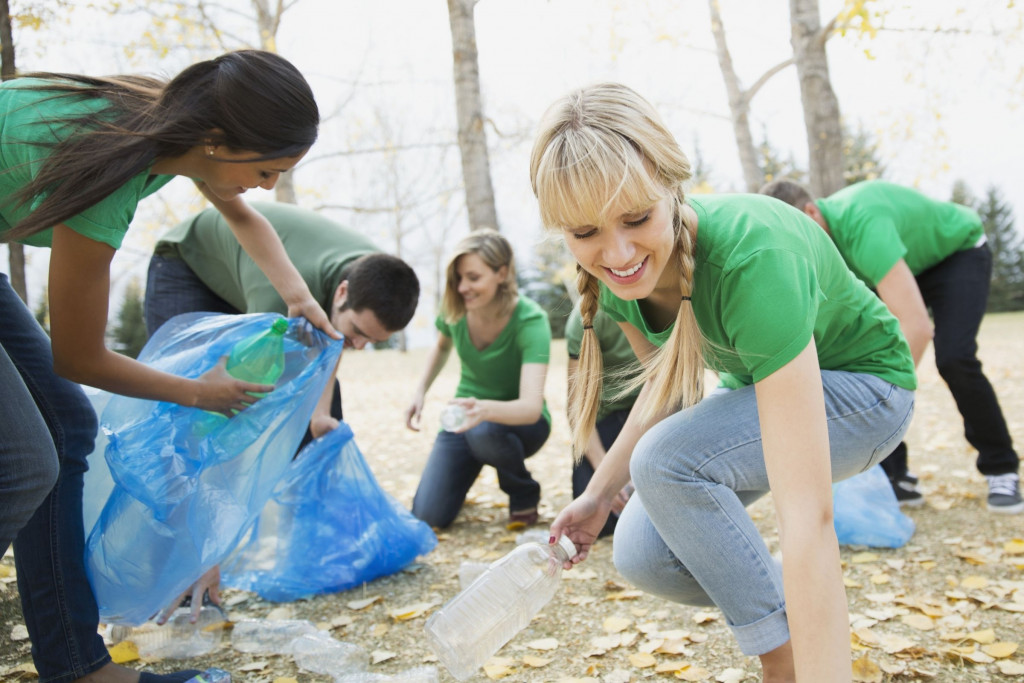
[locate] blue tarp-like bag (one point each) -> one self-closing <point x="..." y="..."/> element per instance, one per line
<point x="866" y="511"/>
<point x="328" y="527"/>
<point x="184" y="496"/>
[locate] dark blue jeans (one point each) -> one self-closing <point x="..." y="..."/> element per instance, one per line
<point x="956" y="292"/>
<point x="457" y="459"/>
<point x="49" y="550"/>
<point x="608" y="428"/>
<point x="172" y="288"/>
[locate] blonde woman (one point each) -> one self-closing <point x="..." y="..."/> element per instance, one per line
<point x="749" y="287"/>
<point x="503" y="341"/>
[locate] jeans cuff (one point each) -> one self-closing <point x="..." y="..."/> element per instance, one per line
<point x="763" y="635"/>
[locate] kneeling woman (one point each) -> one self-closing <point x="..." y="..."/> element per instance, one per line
<point x="750" y="288"/>
<point x="503" y="341"/>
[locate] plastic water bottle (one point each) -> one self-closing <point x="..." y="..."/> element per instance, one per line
<point x="269" y="637"/>
<point x="452" y="417"/>
<point x="474" y="624"/>
<point x="258" y="359"/>
<point x="419" y="674"/>
<point x="319" y="653"/>
<point x="179" y="638"/>
<point x="211" y="675"/>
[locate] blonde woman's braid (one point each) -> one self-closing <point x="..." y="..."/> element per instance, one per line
<point x="585" y="392"/>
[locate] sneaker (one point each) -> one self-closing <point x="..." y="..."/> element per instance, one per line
<point x="1004" y="493"/>
<point x="905" y="488"/>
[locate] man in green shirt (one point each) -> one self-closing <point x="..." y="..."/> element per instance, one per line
<point x="919" y="254"/>
<point x="619" y="365"/>
<point x="199" y="266"/>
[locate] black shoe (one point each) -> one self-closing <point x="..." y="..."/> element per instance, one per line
<point x="1004" y="494"/>
<point x="905" y="488"/>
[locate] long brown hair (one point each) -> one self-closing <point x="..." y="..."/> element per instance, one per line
<point x="596" y="148"/>
<point x="494" y="250"/>
<point x="249" y="100"/>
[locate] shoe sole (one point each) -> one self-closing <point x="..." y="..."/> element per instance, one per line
<point x="916" y="502"/>
<point x="1007" y="509"/>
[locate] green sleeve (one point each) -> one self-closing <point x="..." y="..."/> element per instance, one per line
<point x="771" y="303"/>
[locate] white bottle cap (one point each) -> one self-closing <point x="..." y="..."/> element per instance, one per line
<point x="567" y="545"/>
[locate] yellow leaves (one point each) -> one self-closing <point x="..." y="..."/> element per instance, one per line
<point x="286" y="679"/>
<point x="866" y="671"/>
<point x="616" y="624"/>
<point x="410" y="611"/>
<point x="543" y="644"/>
<point x="1000" y="650"/>
<point x="974" y="582"/>
<point x="362" y="604"/>
<point x="123" y="652"/>
<point x="982" y="637"/>
<point x="1014" y="547"/>
<point x="535" y="662"/>
<point x="642" y="660"/>
<point x="918" y="621"/>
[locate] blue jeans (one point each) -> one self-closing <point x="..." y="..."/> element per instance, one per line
<point x="685" y="535"/>
<point x="457" y="459"/>
<point x="956" y="292"/>
<point x="172" y="288"/>
<point x="49" y="551"/>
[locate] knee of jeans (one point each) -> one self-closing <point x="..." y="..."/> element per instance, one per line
<point x="434" y="516"/>
<point x="663" y="577"/>
<point x="647" y="466"/>
<point x="952" y="367"/>
<point x="41" y="475"/>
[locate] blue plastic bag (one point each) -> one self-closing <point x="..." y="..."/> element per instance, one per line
<point x="328" y="527"/>
<point x="866" y="511"/>
<point x="182" y="501"/>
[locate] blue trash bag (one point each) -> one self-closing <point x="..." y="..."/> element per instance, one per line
<point x="97" y="480"/>
<point x="183" y="498"/>
<point x="866" y="511"/>
<point x="328" y="527"/>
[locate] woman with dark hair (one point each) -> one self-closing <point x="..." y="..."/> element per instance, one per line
<point x="77" y="154"/>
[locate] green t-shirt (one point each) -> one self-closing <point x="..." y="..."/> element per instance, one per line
<point x="320" y="249"/>
<point x="875" y="224"/>
<point x="493" y="372"/>
<point x="618" y="362"/>
<point x="766" y="279"/>
<point x="27" y="117"/>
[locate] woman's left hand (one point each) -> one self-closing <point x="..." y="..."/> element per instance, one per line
<point x="208" y="583"/>
<point x="474" y="413"/>
<point x="309" y="309"/>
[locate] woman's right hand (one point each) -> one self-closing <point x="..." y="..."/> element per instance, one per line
<point x="219" y="392"/>
<point x="412" y="413"/>
<point x="581" y="520"/>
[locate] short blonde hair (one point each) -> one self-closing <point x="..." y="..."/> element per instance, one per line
<point x="599" y="148"/>
<point x="494" y="250"/>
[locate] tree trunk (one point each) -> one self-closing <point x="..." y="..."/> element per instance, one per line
<point x="739" y="105"/>
<point x="16" y="252"/>
<point x="476" y="170"/>
<point x="821" y="108"/>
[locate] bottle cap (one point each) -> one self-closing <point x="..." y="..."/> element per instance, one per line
<point x="280" y="326"/>
<point x="567" y="545"/>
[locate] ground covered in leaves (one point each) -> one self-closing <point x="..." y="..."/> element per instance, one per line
<point x="948" y="606"/>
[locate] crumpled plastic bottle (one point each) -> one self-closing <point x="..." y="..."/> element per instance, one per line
<point x="179" y="638"/>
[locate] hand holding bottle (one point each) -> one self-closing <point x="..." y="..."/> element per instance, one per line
<point x="581" y="521"/>
<point x="219" y="392"/>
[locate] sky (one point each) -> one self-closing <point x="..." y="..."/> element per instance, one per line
<point x="941" y="93"/>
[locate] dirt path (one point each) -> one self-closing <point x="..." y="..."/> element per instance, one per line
<point x="927" y="611"/>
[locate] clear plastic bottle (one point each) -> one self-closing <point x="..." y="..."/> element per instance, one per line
<point x="473" y="625"/>
<point x="258" y="359"/>
<point x="269" y="636"/>
<point x="419" y="674"/>
<point x="211" y="675"/>
<point x="452" y="417"/>
<point x="179" y="638"/>
<point x="319" y="653"/>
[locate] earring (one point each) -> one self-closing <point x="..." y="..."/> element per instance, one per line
<point x="209" y="151"/>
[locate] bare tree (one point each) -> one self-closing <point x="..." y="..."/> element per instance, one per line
<point x="15" y="251"/>
<point x="739" y="100"/>
<point x="820" y="105"/>
<point x="476" y="169"/>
